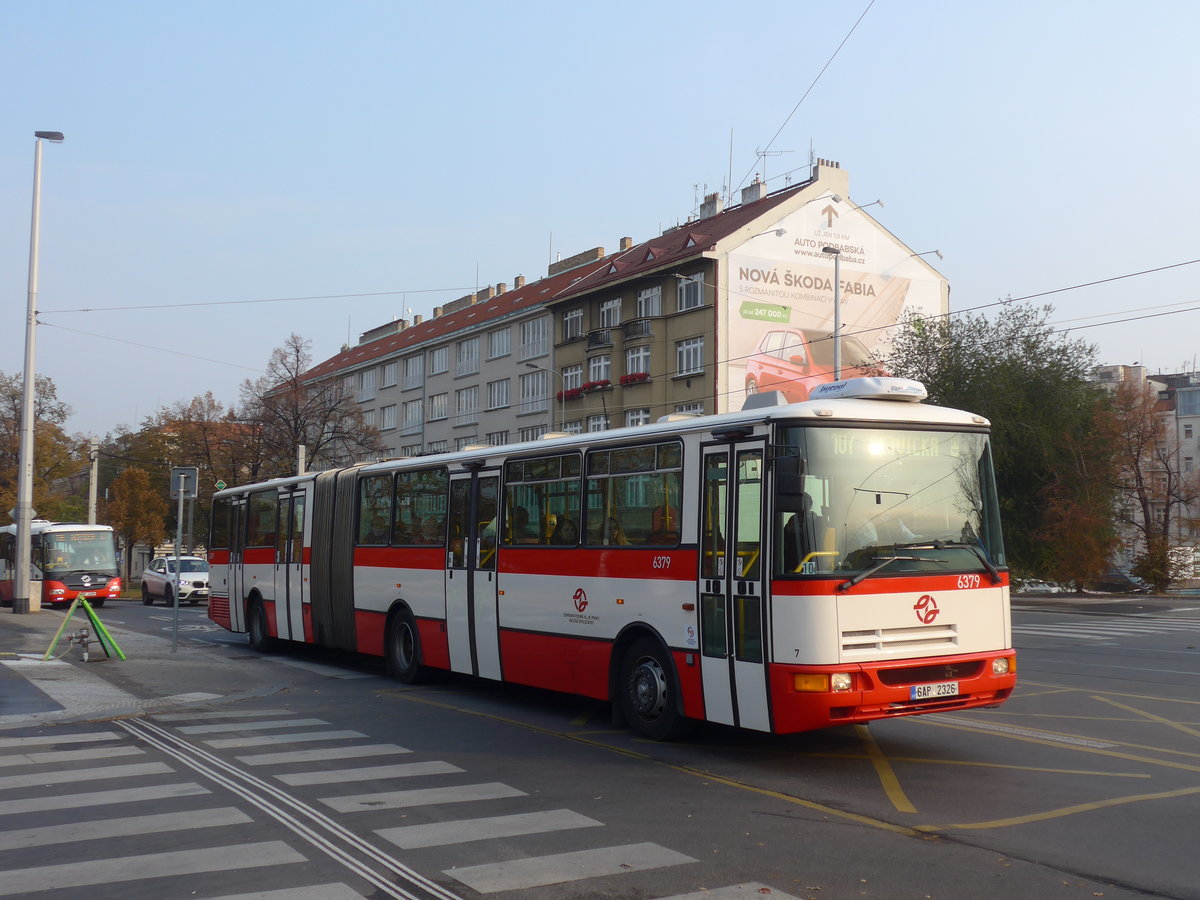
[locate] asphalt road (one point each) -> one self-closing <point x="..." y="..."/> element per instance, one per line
<point x="311" y="775"/>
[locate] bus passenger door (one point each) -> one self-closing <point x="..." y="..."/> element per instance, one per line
<point x="733" y="626"/>
<point x="289" y="559"/>
<point x="472" y="621"/>
<point x="237" y="572"/>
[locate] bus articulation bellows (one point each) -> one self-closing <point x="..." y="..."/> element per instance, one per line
<point x="782" y="568"/>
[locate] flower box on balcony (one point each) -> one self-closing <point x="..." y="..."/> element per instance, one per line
<point x="634" y="378"/>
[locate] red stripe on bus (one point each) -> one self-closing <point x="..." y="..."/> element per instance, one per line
<point x="601" y="562"/>
<point x="878" y="584"/>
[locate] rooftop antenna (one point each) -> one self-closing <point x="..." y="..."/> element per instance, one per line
<point x="763" y="154"/>
<point x="729" y="183"/>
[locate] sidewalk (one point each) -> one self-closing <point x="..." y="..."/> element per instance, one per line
<point x="66" y="689"/>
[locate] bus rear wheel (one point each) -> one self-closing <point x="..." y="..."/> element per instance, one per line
<point x="648" y="692"/>
<point x="404" y="649"/>
<point x="256" y="624"/>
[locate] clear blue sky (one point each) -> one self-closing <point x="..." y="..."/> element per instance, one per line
<point x="226" y="151"/>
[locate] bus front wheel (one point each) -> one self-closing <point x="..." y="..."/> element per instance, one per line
<point x="648" y="692"/>
<point x="404" y="649"/>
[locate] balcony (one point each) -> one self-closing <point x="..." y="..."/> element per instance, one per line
<point x="600" y="338"/>
<point x="638" y="328"/>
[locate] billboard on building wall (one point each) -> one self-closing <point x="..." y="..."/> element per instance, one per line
<point x="778" y="320"/>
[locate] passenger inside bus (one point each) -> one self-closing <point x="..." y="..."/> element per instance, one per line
<point x="613" y="533"/>
<point x="521" y="532"/>
<point x="565" y="532"/>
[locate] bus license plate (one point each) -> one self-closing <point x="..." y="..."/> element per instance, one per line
<point x="87" y="593"/>
<point x="928" y="691"/>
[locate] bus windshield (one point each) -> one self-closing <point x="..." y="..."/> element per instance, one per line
<point x="888" y="500"/>
<point x="63" y="552"/>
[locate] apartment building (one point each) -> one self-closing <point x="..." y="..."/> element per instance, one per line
<point x="733" y="301"/>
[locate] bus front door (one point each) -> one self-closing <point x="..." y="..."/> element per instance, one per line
<point x="733" y="623"/>
<point x="472" y="619"/>
<point x="289" y="565"/>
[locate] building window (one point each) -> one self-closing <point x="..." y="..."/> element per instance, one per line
<point x="535" y="338"/>
<point x="534" y="397"/>
<point x="468" y="357"/>
<point x="366" y="385"/>
<point x="1187" y="464"/>
<point x="368" y="418"/>
<point x="695" y="409"/>
<point x="637" y="417"/>
<point x="389" y="375"/>
<point x="637" y="359"/>
<point x="466" y="405"/>
<point x="610" y="313"/>
<point x="689" y="356"/>
<point x="497" y="394"/>
<point x="649" y="302"/>
<point x="1187" y="431"/>
<point x="572" y="377"/>
<point x="690" y="292"/>
<point x="387" y="418"/>
<point x="574" y="427"/>
<point x="410" y="450"/>
<point x="597" y="423"/>
<point x="499" y="343"/>
<point x="438" y="407"/>
<point x="533" y="432"/>
<point x="414" y="372"/>
<point x="572" y="325"/>
<point x="600" y="368"/>
<point x="412" y="417"/>
<point x="463" y="443"/>
<point x="497" y="438"/>
<point x="439" y="360"/>
<point x="438" y="446"/>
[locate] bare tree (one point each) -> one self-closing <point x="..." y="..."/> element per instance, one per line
<point x="1151" y="479"/>
<point x="289" y="409"/>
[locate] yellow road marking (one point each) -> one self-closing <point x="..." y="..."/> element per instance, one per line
<point x="1065" y="811"/>
<point x="687" y="770"/>
<point x="986" y="765"/>
<point x="1151" y="716"/>
<point x="1115" y="694"/>
<point x="887" y="775"/>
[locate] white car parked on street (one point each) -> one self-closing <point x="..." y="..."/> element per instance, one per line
<point x="159" y="581"/>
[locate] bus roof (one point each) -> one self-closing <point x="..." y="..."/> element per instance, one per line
<point x="850" y="400"/>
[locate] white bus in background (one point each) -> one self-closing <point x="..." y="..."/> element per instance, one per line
<point x="782" y="568"/>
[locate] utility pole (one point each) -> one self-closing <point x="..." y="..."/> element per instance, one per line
<point x="94" y="478"/>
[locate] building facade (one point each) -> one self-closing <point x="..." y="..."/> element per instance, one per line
<point x="732" y="302"/>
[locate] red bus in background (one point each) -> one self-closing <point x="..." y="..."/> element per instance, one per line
<point x="71" y="560"/>
<point x="782" y="568"/>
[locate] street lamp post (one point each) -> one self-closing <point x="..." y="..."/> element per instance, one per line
<point x="837" y="310"/>
<point x="562" y="402"/>
<point x="24" y="513"/>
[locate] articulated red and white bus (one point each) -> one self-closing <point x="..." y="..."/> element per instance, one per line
<point x="69" y="559"/>
<point x="782" y="568"/>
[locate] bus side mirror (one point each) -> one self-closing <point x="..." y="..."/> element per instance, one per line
<point x="789" y="483"/>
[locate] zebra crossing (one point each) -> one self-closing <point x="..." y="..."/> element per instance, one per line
<point x="1106" y="628"/>
<point x="285" y="809"/>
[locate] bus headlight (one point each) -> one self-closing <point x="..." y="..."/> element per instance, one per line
<point x="1003" y="665"/>
<point x="820" y="683"/>
<point x="58" y="591"/>
<point x="840" y="681"/>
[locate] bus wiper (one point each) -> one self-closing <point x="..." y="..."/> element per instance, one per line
<point x="956" y="545"/>
<point x="882" y="561"/>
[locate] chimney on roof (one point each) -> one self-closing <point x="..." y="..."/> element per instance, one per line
<point x="626" y="243"/>
<point x="418" y="319"/>
<point x="518" y="282"/>
<point x="486" y="294"/>
<point x="501" y="287"/>
<point x="754" y="192"/>
<point x="579" y="259"/>
<point x="437" y="311"/>
<point x="711" y="206"/>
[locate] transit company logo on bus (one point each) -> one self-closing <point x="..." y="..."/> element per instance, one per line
<point x="580" y="600"/>
<point x="927" y="609"/>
